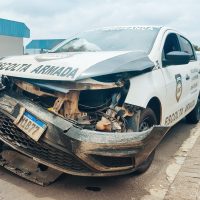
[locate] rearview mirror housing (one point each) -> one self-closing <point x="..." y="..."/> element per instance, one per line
<point x="176" y="58"/>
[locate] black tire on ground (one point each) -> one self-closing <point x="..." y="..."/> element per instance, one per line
<point x="147" y="120"/>
<point x="194" y="116"/>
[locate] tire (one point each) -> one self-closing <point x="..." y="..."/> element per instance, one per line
<point x="147" y="120"/>
<point x="194" y="116"/>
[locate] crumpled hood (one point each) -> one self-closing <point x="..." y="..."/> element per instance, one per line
<point x="74" y="65"/>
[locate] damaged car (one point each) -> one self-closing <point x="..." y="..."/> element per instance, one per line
<point x="98" y="104"/>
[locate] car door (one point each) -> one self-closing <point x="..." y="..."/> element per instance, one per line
<point x="193" y="72"/>
<point x="177" y="80"/>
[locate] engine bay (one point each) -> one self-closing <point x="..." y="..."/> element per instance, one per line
<point x="90" y="104"/>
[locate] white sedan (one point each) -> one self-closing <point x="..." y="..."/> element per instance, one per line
<point x="100" y="102"/>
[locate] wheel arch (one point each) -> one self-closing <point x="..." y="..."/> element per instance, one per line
<point x="155" y="104"/>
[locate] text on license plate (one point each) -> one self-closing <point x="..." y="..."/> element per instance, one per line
<point x="32" y="126"/>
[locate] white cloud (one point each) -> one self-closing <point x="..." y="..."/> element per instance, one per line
<point x="61" y="18"/>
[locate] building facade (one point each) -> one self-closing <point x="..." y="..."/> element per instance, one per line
<point x="11" y="37"/>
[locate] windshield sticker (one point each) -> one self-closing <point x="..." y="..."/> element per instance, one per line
<point x="118" y="28"/>
<point x="129" y="28"/>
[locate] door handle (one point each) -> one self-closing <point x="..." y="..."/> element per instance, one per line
<point x="187" y="77"/>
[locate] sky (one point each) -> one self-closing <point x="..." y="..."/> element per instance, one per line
<point x="63" y="18"/>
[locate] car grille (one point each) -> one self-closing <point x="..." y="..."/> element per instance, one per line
<point x="14" y="136"/>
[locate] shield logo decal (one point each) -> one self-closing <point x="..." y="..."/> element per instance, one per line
<point x="179" y="87"/>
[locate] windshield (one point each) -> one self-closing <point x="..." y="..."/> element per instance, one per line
<point x="111" y="39"/>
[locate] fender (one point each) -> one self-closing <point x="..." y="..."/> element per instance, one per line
<point x="141" y="91"/>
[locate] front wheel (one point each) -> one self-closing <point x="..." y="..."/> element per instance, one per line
<point x="147" y="120"/>
<point x="194" y="116"/>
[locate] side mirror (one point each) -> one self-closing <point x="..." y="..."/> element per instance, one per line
<point x="176" y="58"/>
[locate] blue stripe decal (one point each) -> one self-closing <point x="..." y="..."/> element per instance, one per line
<point x="34" y="119"/>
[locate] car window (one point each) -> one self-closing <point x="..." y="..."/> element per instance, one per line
<point x="171" y="44"/>
<point x="187" y="47"/>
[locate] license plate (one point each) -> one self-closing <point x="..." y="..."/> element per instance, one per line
<point x="32" y="126"/>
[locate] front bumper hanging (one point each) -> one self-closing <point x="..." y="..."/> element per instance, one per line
<point x="70" y="149"/>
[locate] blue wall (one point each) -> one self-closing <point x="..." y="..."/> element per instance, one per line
<point x="44" y="44"/>
<point x="14" y="29"/>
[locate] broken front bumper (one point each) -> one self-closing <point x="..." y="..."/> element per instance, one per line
<point x="70" y="149"/>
